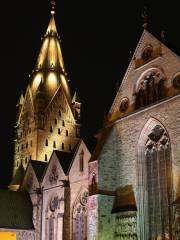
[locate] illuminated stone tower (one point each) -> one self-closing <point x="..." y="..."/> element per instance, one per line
<point x="47" y="116"/>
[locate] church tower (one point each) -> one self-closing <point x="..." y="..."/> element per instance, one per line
<point x="47" y="116"/>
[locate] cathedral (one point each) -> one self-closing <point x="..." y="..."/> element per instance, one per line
<point x="129" y="186"/>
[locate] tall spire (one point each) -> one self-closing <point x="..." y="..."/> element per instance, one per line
<point x="50" y="70"/>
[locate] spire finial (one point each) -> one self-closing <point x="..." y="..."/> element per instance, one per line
<point x="145" y="18"/>
<point x="53" y="4"/>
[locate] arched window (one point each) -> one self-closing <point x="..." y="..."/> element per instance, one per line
<point x="154" y="172"/>
<point x="66" y="132"/>
<point x="81" y="161"/>
<point x="80" y="217"/>
<point x="46" y="142"/>
<point x="51" y="129"/>
<point x="149" y="87"/>
<point x="63" y="123"/>
<point x="54" y="144"/>
<point x="45" y="157"/>
<point x="63" y="146"/>
<point x="59" y="131"/>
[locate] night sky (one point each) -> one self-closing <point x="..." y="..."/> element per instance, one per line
<point x="97" y="37"/>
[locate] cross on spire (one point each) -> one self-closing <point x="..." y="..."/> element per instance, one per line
<point x="53" y="4"/>
<point x="145" y="17"/>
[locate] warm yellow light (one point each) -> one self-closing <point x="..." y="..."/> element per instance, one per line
<point x="43" y="52"/>
<point x="65" y="86"/>
<point x="7" y="236"/>
<point x="52" y="52"/>
<point x="36" y="81"/>
<point x="52" y="80"/>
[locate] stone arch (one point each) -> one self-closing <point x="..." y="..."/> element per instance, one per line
<point x="154" y="182"/>
<point x="79" y="215"/>
<point x="54" y="217"/>
<point x="149" y="87"/>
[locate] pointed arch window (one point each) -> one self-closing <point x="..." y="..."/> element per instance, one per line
<point x="45" y="158"/>
<point x="54" y="144"/>
<point x="67" y="133"/>
<point x="154" y="182"/>
<point x="81" y="161"/>
<point x="46" y="144"/>
<point x="59" y="131"/>
<point x="80" y="218"/>
<point x="51" y="129"/>
<point x="63" y="123"/>
<point x="63" y="146"/>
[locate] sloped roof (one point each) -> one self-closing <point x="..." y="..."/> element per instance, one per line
<point x="15" y="210"/>
<point x="66" y="158"/>
<point x="103" y="135"/>
<point x="17" y="179"/>
<point x="39" y="168"/>
<point x="124" y="200"/>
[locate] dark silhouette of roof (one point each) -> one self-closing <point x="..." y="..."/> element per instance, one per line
<point x="39" y="168"/>
<point x="16" y="210"/>
<point x="65" y="159"/>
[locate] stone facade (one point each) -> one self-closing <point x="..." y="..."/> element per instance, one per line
<point x="141" y="150"/>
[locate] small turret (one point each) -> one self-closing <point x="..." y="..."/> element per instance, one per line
<point x="76" y="105"/>
<point x="19" y="106"/>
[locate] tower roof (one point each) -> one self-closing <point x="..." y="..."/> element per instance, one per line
<point x="49" y="70"/>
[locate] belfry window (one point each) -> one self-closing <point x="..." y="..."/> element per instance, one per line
<point x="149" y="88"/>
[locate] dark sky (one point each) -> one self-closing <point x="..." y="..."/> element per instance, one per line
<point x="97" y="37"/>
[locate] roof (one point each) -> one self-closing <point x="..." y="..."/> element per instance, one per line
<point x="16" y="210"/>
<point x="124" y="200"/>
<point x="39" y="168"/>
<point x="18" y="177"/>
<point x="102" y="136"/>
<point x="65" y="159"/>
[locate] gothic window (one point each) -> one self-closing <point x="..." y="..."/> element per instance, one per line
<point x="51" y="129"/>
<point x="80" y="218"/>
<point x="63" y="123"/>
<point x="149" y="88"/>
<point x="45" y="157"/>
<point x="66" y="132"/>
<point x="59" y="131"/>
<point x="81" y="161"/>
<point x="54" y="144"/>
<point x="51" y="228"/>
<point x="155" y="180"/>
<point x="17" y="164"/>
<point x="46" y="142"/>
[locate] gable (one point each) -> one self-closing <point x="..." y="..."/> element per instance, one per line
<point x="149" y="54"/>
<point x="75" y="173"/>
<point x="54" y="174"/>
<point x="27" y="110"/>
<point x="30" y="181"/>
